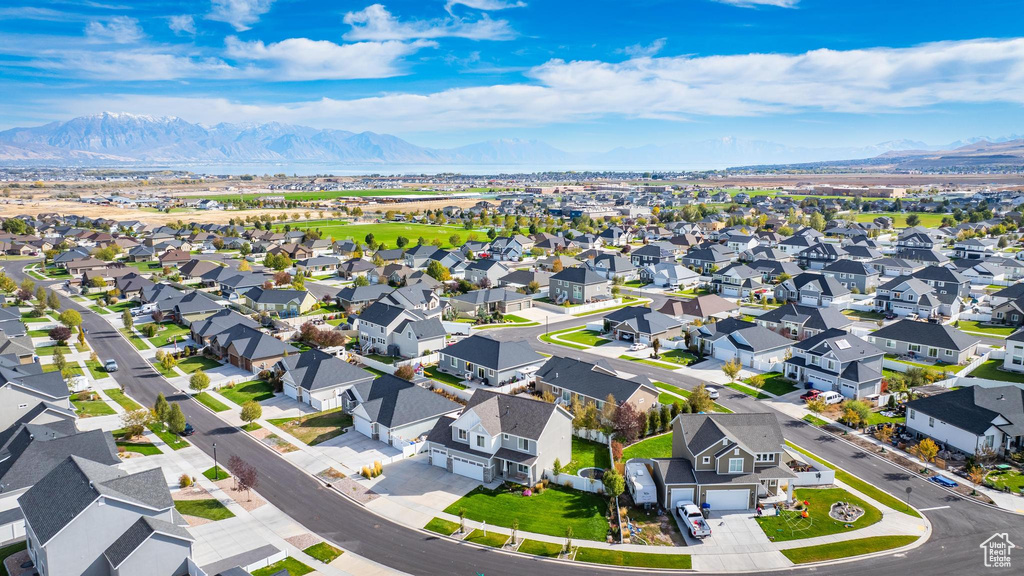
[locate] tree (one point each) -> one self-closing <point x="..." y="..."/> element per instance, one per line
<point x="732" y="369"/>
<point x="127" y="319"/>
<point x="405" y="372"/>
<point x="568" y="538"/>
<point x="913" y="220"/>
<point x="282" y="278"/>
<point x="401" y="241"/>
<point x="70" y="318"/>
<point x="700" y="400"/>
<point x="856" y="413"/>
<point x="244" y="266"/>
<point x="654" y="419"/>
<point x="41" y="295"/>
<point x="666" y="416"/>
<point x="557" y="266"/>
<point x="928" y="450"/>
<point x="438" y="272"/>
<point x="628" y="422"/>
<point x="361" y="281"/>
<point x="199" y="381"/>
<point x="656" y="345"/>
<point x="134" y="422"/>
<point x="162" y="409"/>
<point x="608" y="411"/>
<point x="756" y="381"/>
<point x="614" y="483"/>
<point x="251" y="411"/>
<point x="816" y="405"/>
<point x="58" y="359"/>
<point x="60" y="334"/>
<point x="246" y="476"/>
<point x="175" y="419"/>
<point x="455" y="240"/>
<point x="976" y="473"/>
<point x="167" y="361"/>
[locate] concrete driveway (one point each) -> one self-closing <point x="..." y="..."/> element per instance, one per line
<point x="414" y="484"/>
<point x="355" y="450"/>
<point x="732" y="530"/>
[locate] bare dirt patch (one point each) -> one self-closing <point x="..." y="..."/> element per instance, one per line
<point x="303" y="541"/>
<point x="247" y="500"/>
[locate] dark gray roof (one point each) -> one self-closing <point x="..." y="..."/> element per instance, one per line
<point x="315" y="370"/>
<point x="393" y="402"/>
<point x="252" y="344"/>
<point x="579" y="275"/>
<point x="363" y="293"/>
<point x="643" y="320"/>
<point x="34" y="450"/>
<point x="592" y="380"/>
<point x="807" y="316"/>
<point x="675" y="470"/>
<point x="489" y="295"/>
<point x="927" y="334"/>
<point x="47" y="383"/>
<point x="524" y="277"/>
<point x="973" y="408"/>
<point x="494" y="354"/>
<point x="754" y="432"/>
<point x="518" y="415"/>
<point x="381" y="314"/>
<point x="221" y="322"/>
<point x="845" y="347"/>
<point x="423" y="329"/>
<point x="137" y="534"/>
<point x="261" y="296"/>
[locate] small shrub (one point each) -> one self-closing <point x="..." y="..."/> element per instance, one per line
<point x="367" y="473"/>
<point x="378" y="468"/>
<point x="567" y="483"/>
<point x="545" y="482"/>
<point x="184" y="481"/>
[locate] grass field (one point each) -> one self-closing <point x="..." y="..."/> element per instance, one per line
<point x="814" y="420"/>
<point x="210" y="402"/>
<point x="323" y="552"/>
<point x="549" y="512"/>
<point x="173" y="440"/>
<point x="125" y="402"/>
<point x="846" y="548"/>
<point x="994" y="331"/>
<point x="492" y="538"/>
<point x="441" y="526"/>
<point x="190" y="365"/>
<point x="216" y="473"/>
<point x="634" y="559"/>
<point x="144" y="448"/>
<point x="388" y="233"/>
<point x="257" y="390"/>
<point x="585" y="337"/>
<point x="790" y="526"/>
<point x="900" y="219"/>
<point x="588" y="454"/>
<point x="989" y="370"/>
<point x="134" y="339"/>
<point x="685" y="394"/>
<point x="538" y="548"/>
<point x="209" y="508"/>
<point x="747" y="390"/>
<point x="776" y="383"/>
<point x="653" y="447"/>
<point x="315" y="428"/>
<point x="90" y="408"/>
<point x="435" y="374"/>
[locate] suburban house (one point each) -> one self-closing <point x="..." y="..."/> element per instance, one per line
<point x="394" y="410"/>
<point x="398" y="331"/>
<point x="284" y="303"/>
<point x="799" y="322"/>
<point x="202" y="331"/>
<point x="485" y="272"/>
<point x="490" y="301"/>
<point x="578" y="286"/>
<point x="174" y="258"/>
<point x="734" y="339"/>
<point x="726" y="461"/>
<point x="904" y="296"/>
<point x="85" y="517"/>
<point x="1010" y="312"/>
<point x="318" y="379"/>
<point x="973" y="419"/>
<point x="813" y="289"/>
<point x="819" y="255"/>
<point x="493" y="362"/>
<point x="568" y="378"/>
<point x="247" y="348"/>
<point x="706" y="258"/>
<point x="670" y="275"/>
<point x="515" y="438"/>
<point x="612" y="266"/>
<point x="974" y="248"/>
<point x="641" y="324"/>
<point x="653" y="253"/>
<point x="939" y="342"/>
<point x="838" y="362"/>
<point x="857" y="276"/>
<point x="892" y="267"/>
<point x="701" y="308"/>
<point x="355" y="298"/>
<point x="736" y="281"/>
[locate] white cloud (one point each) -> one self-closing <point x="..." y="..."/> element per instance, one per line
<point x="305" y="59"/>
<point x="756" y="3"/>
<point x="483" y="4"/>
<point x="117" y="30"/>
<point x="375" y="23"/>
<point x="241" y="14"/>
<point x="135" y="65"/>
<point x="644" y="51"/>
<point x="184" y="24"/>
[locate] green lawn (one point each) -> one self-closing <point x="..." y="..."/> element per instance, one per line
<point x="538" y="548"/>
<point x="127" y="403"/>
<point x="585" y="337"/>
<point x="388" y="233"/>
<point x="790" y="526"/>
<point x="547" y="513"/>
<point x="492" y="538"/>
<point x="434" y="373"/>
<point x="653" y="447"/>
<point x="38" y="333"/>
<point x="928" y="220"/>
<point x="814" y="420"/>
<point x="776" y="383"/>
<point x="51" y="350"/>
<point x="634" y="559"/>
<point x="382" y="359"/>
<point x="190" y="365"/>
<point x="144" y="448"/>
<point x="173" y="440"/>
<point x="90" y="408"/>
<point x="10" y="551"/>
<point x="1001" y="479"/>
<point x="216" y="473"/>
<point x="209" y="508"/>
<point x="938" y="367"/>
<point x="649" y="362"/>
<point x="996" y="331"/>
<point x="441" y="526"/>
<point x="989" y="370"/>
<point x="877" y="418"/>
<point x="252" y="427"/>
<point x="257" y="390"/>
<point x="677" y="356"/>
<point x="748" y="391"/>
<point x="210" y="402"/>
<point x="664" y="387"/>
<point x="860" y="485"/>
<point x="166" y="333"/>
<point x="548" y="338"/>
<point x="864" y="315"/>
<point x="693" y="292"/>
<point x="293" y="566"/>
<point x="134" y="339"/>
<point x="846" y="548"/>
<point x="588" y="454"/>
<point x="75" y="369"/>
<point x="323" y="552"/>
<point x="315" y="428"/>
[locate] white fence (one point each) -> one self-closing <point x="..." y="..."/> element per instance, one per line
<point x="457" y="392"/>
<point x="823" y="477"/>
<point x="579" y="308"/>
<point x="280" y="555"/>
<point x="595" y="435"/>
<point x="457" y="327"/>
<point x="576" y="482"/>
<point x="375" y="364"/>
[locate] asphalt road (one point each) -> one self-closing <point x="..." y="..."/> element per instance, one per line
<point x="953" y="548"/>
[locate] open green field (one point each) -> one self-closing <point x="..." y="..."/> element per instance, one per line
<point x="389" y="232"/>
<point x="209" y="508"/>
<point x="549" y="512"/>
<point x="899" y="219"/>
<point x="323" y="195"/>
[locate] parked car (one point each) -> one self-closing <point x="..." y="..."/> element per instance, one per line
<point x="831" y="397"/>
<point x="637" y="346"/>
<point x="890" y="316"/>
<point x="810" y="395"/>
<point x="694" y="520"/>
<point x="188" y="431"/>
<point x="712" y="393"/>
<point x="110" y="365"/>
<point x="147" y="308"/>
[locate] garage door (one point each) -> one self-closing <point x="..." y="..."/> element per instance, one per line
<point x="363" y="427"/>
<point x="676" y="495"/>
<point x="439" y="458"/>
<point x="728" y="499"/>
<point x="468" y="469"/>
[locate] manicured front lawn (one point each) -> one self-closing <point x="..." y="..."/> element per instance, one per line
<point x="435" y="374"/>
<point x="776" y="383"/>
<point x="209" y="508"/>
<point x="790" y="526"/>
<point x="144" y="448"/>
<point x="664" y="387"/>
<point x="90" y="408"/>
<point x="210" y="402"/>
<point x="996" y="331"/>
<point x="167" y="333"/>
<point x="190" y="365"/>
<point x="653" y="447"/>
<point x="549" y="512"/>
<point x="677" y="356"/>
<point x="1001" y="479"/>
<point x="257" y="390"/>
<point x="538" y="548"/>
<point x="864" y="314"/>
<point x="634" y="559"/>
<point x="814" y="420"/>
<point x="293" y="566"/>
<point x="441" y="526"/>
<point x="74" y="369"/>
<point x="550" y="340"/>
<point x="989" y="370"/>
<point x="315" y="428"/>
<point x="585" y="337"/>
<point x="588" y="454"/>
<point x="216" y="473"/>
<point x="134" y="339"/>
<point x="323" y="552"/>
<point x="51" y="350"/>
<point x="747" y="390"/>
<point x="492" y="538"/>
<point x="124" y="401"/>
<point x="860" y="485"/>
<point x="846" y="548"/>
<point x="173" y="440"/>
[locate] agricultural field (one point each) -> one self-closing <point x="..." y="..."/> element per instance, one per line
<point x="388" y="233"/>
<point x="900" y="218"/>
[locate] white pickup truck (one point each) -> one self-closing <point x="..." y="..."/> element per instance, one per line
<point x="690" y="514"/>
<point x="147" y="308"/>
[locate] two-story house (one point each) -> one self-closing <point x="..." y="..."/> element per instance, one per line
<point x="485" y="272"/>
<point x="975" y="248"/>
<point x="856" y="276"/>
<point x="707" y="257"/>
<point x="836" y="361"/>
<point x="398" y="331"/>
<point x="653" y="253"/>
<point x="612" y="266"/>
<point x="578" y="286"/>
<point x="736" y="281"/>
<point x="799" y="322"/>
<point x="498" y="436"/>
<point x="493" y="362"/>
<point x="813" y="289"/>
<point x="726" y="461"/>
<point x="817" y="256"/>
<point x="906" y="295"/>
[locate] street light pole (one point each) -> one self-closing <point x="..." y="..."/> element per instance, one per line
<point x="216" y="470"/>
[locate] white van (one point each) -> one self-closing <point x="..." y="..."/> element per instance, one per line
<point x="831" y="397"/>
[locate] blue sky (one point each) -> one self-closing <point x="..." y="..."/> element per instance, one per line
<point x="584" y="76"/>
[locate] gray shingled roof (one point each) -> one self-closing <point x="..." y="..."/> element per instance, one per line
<point x="494" y="354"/>
<point x="394" y="402"/>
<point x="591" y="380"/>
<point x="973" y="408"/>
<point x="927" y="334"/>
<point x="137" y="534"/>
<point x="807" y="316"/>
<point x="754" y="432"/>
<point x="34" y="450"/>
<point x="504" y="414"/>
<point x="315" y="370"/>
<point x="579" y="275"/>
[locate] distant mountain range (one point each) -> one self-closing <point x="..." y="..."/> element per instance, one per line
<point x="1004" y="154"/>
<point x="121" y="138"/>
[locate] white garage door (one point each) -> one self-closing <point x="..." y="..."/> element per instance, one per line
<point x="676" y="495"/>
<point x="363" y="427"/>
<point x="468" y="469"/>
<point x="728" y="499"/>
<point x="439" y="458"/>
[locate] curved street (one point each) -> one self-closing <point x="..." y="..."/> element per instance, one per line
<point x="958" y="526"/>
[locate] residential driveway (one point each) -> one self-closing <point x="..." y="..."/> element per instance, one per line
<point x="227" y="373"/>
<point x="281" y="406"/>
<point x="731" y="530"/>
<point x="415" y="484"/>
<point x="355" y="450"/>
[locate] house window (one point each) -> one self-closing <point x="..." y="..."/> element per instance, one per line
<point x="949" y="352"/>
<point x="707" y="460"/>
<point x="462" y="434"/>
<point x="453" y="360"/>
<point x="767" y="457"/>
<point x="912" y="414"/>
<point x="524" y="469"/>
<point x="505" y="436"/>
<point x="990" y="441"/>
<point x="480" y="441"/>
<point x="524" y="444"/>
<point x="890" y="343"/>
<point x="1017" y="360"/>
<point x="931" y="422"/>
<point x="914" y="347"/>
<point x="735" y="465"/>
